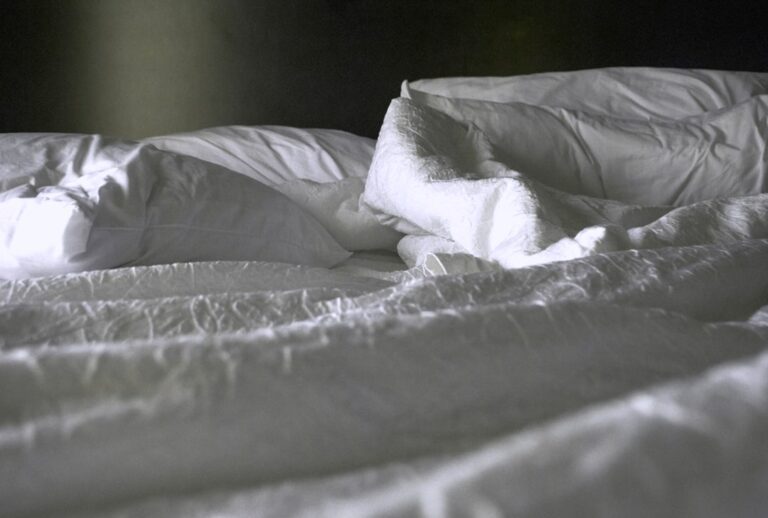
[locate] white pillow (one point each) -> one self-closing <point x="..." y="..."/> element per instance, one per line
<point x="339" y="207"/>
<point x="637" y="93"/>
<point x="320" y="170"/>
<point x="276" y="154"/>
<point x="79" y="202"/>
<point x="719" y="153"/>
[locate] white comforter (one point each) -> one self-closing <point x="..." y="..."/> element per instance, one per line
<point x="619" y="369"/>
<point x="242" y="389"/>
<point x="448" y="185"/>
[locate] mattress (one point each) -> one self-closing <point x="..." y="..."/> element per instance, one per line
<point x="482" y="344"/>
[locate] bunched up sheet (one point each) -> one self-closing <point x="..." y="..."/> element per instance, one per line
<point x="108" y="397"/>
<point x="550" y="351"/>
<point x="448" y="186"/>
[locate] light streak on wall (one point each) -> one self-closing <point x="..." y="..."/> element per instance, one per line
<point x="151" y="66"/>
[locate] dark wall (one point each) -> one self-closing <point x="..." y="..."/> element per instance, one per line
<point x="141" y="67"/>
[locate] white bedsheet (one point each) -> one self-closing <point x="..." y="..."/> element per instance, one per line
<point x="619" y="369"/>
<point x="241" y="389"/>
<point x="446" y="185"/>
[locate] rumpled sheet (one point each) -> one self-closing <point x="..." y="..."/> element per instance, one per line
<point x="448" y="187"/>
<point x="627" y="383"/>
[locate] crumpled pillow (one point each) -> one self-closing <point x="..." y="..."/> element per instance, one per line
<point x="644" y="93"/>
<point x="646" y="162"/>
<point x="276" y="154"/>
<point x="321" y="170"/>
<point x="70" y="203"/>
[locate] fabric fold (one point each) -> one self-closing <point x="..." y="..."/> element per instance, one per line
<point x="435" y="176"/>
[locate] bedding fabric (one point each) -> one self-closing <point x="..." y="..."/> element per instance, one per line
<point x="623" y="92"/>
<point x="338" y="206"/>
<point x="581" y="387"/>
<point x="321" y="170"/>
<point x="716" y="154"/>
<point x="276" y="154"/>
<point x="79" y="202"/>
<point x="544" y="354"/>
<point x="440" y="180"/>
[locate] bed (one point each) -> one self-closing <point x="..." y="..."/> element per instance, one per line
<point x="541" y="295"/>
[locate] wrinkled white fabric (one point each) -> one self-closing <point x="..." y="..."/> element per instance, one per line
<point x="673" y="162"/>
<point x="619" y="370"/>
<point x="434" y="176"/>
<point x="626" y="92"/>
<point x="71" y="203"/>
<point x="320" y="170"/>
<point x="276" y="154"/>
<point x="337" y="206"/>
<point x="671" y="452"/>
<point x="258" y="388"/>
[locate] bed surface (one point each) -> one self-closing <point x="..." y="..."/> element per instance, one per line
<point x="445" y="334"/>
<point x="272" y="380"/>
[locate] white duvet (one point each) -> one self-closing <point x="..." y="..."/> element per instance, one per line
<point x="234" y="389"/>
<point x="449" y="185"/>
<point x="578" y="357"/>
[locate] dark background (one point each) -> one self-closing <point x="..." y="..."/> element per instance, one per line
<point x="140" y="67"/>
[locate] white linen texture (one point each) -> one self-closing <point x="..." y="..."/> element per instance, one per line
<point x="548" y="353"/>
<point x="672" y="162"/>
<point x="242" y="388"/>
<point x="276" y="154"/>
<point x="433" y="175"/>
<point x="638" y="93"/>
<point x="79" y="202"/>
<point x="321" y="170"/>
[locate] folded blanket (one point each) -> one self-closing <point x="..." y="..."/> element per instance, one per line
<point x="435" y="176"/>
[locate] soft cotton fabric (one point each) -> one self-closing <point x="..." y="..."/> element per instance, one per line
<point x="625" y="92"/>
<point x="435" y="176"/>
<point x="627" y="383"/>
<point x="338" y="206"/>
<point x="276" y="154"/>
<point x="716" y="154"/>
<point x="79" y="202"/>
<point x="253" y="388"/>
<point x="321" y="170"/>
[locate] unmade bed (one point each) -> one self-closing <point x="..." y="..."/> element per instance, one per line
<point x="540" y="295"/>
